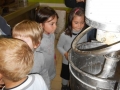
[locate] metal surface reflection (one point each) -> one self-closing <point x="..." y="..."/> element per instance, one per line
<point x="93" y="64"/>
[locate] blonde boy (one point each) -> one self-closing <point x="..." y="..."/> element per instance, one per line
<point x="31" y="32"/>
<point x="16" y="61"/>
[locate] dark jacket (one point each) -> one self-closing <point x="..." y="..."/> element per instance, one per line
<point x="5" y="29"/>
<point x="73" y="3"/>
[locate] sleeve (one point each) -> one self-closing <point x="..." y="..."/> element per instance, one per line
<point x="61" y="42"/>
<point x="5" y="28"/>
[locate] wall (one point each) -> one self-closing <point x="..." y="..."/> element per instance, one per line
<point x="47" y="1"/>
<point x="19" y="18"/>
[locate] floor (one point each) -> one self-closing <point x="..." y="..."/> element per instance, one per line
<point x="56" y="83"/>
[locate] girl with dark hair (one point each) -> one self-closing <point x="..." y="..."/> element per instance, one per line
<point x="76" y="24"/>
<point x="47" y="18"/>
<point x="81" y="3"/>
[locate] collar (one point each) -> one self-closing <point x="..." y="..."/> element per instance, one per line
<point x="75" y="32"/>
<point x="46" y="35"/>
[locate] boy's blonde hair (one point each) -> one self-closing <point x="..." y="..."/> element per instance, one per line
<point x="16" y="59"/>
<point x="28" y="28"/>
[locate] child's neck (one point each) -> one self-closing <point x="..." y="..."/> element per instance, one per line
<point x="46" y="33"/>
<point x="11" y="84"/>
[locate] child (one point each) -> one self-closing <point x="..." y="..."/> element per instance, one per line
<point x="91" y="35"/>
<point x="76" y="23"/>
<point x="47" y="18"/>
<point x="16" y="61"/>
<point x="31" y="33"/>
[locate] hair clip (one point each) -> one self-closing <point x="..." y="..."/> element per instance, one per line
<point x="76" y="10"/>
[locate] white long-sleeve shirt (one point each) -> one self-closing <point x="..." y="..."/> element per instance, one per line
<point x="33" y="82"/>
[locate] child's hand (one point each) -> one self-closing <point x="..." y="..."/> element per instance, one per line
<point x="66" y="55"/>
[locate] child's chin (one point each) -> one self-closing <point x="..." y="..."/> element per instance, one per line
<point x="78" y="30"/>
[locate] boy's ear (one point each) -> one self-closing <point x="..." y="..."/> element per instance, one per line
<point x="0" y="76"/>
<point x="41" y="25"/>
<point x="37" y="45"/>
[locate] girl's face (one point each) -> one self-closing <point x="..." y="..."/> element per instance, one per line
<point x="78" y="23"/>
<point x="50" y="25"/>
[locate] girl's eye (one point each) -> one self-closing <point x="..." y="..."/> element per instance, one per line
<point x="51" y="23"/>
<point x="82" y="22"/>
<point x="76" y="22"/>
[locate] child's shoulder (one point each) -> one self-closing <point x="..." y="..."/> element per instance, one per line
<point x="63" y="35"/>
<point x="37" y="82"/>
<point x="38" y="55"/>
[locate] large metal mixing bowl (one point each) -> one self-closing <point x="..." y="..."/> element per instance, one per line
<point x="93" y="65"/>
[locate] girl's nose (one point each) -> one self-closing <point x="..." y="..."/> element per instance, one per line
<point x="79" y="25"/>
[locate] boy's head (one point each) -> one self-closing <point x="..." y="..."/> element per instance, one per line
<point x="28" y="31"/>
<point x="16" y="59"/>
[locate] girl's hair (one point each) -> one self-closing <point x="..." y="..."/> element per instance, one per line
<point x="28" y="28"/>
<point x="44" y="13"/>
<point x="75" y="11"/>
